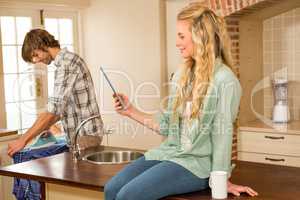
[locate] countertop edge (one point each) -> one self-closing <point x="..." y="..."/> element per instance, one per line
<point x="51" y="180"/>
<point x="4" y="133"/>
<point x="291" y="128"/>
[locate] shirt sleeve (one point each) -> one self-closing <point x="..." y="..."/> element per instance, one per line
<point x="222" y="131"/>
<point x="163" y="119"/>
<point x="63" y="85"/>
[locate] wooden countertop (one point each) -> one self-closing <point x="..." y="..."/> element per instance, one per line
<point x="271" y="182"/>
<point x="292" y="127"/>
<point x="7" y="132"/>
<point x="60" y="169"/>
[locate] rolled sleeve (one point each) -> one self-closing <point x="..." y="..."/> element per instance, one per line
<point x="63" y="86"/>
<point x="163" y="119"/>
<point x="222" y="132"/>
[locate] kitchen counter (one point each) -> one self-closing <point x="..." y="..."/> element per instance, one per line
<point x="270" y="181"/>
<point x="292" y="127"/>
<point x="5" y="132"/>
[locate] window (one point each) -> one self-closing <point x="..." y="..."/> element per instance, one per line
<point x="61" y="25"/>
<point x="25" y="88"/>
<point x="19" y="93"/>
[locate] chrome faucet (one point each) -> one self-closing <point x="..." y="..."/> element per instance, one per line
<point x="75" y="146"/>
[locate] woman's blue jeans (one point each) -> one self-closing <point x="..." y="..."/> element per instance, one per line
<point x="152" y="180"/>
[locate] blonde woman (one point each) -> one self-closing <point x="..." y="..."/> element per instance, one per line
<point x="203" y="104"/>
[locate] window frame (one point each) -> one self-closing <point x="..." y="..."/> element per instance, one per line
<point x="73" y="15"/>
<point x="14" y="12"/>
<point x="35" y="14"/>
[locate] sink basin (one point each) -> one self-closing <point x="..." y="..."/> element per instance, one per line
<point x="112" y="157"/>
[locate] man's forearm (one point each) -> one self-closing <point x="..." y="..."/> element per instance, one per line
<point x="42" y="123"/>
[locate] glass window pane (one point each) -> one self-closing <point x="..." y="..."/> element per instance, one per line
<point x="23" y="26"/>
<point x="27" y="86"/>
<point x="51" y="67"/>
<point x="11" y="87"/>
<point x="12" y="116"/>
<point x="9" y="59"/>
<point x="28" y="113"/>
<point x="8" y="32"/>
<point x="22" y="131"/>
<point x="51" y="25"/>
<point x="23" y="66"/>
<point x="65" y="31"/>
<point x="69" y="47"/>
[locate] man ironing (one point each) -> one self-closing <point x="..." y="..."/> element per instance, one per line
<point x="73" y="99"/>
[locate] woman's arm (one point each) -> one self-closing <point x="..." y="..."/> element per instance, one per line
<point x="222" y="132"/>
<point x="130" y="111"/>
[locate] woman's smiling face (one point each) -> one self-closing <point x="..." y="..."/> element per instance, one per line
<point x="184" y="39"/>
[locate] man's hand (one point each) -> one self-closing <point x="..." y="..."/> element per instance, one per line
<point x="42" y="123"/>
<point x="237" y="189"/>
<point x="15" y="146"/>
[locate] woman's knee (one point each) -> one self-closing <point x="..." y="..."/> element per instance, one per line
<point x="110" y="190"/>
<point x="129" y="193"/>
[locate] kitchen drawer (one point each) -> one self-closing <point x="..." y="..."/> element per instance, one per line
<point x="269" y="143"/>
<point x="270" y="159"/>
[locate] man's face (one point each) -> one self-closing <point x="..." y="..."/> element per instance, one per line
<point x="40" y="56"/>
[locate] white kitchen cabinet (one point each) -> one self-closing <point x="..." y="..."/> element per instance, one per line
<point x="62" y="192"/>
<point x="260" y="143"/>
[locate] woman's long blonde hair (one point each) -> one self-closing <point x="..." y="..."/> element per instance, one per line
<point x="210" y="38"/>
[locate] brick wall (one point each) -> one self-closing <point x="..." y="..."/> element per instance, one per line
<point x="227" y="7"/>
<point x="233" y="30"/>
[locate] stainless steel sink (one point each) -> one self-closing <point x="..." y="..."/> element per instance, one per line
<point x="112" y="157"/>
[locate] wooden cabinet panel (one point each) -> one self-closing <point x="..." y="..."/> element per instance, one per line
<point x="269" y="143"/>
<point x="6" y="183"/>
<point x="61" y="192"/>
<point x="271" y="148"/>
<point x="270" y="159"/>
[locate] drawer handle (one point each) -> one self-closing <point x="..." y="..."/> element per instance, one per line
<point x="274" y="160"/>
<point x="274" y="138"/>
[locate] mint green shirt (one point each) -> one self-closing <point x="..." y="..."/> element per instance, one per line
<point x="210" y="134"/>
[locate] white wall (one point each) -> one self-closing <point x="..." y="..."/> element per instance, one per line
<point x="125" y="36"/>
<point x="79" y="3"/>
<point x="173" y="55"/>
<point x="46" y="4"/>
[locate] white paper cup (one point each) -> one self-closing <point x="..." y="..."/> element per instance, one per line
<point x="218" y="184"/>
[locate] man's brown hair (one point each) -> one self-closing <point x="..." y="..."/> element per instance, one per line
<point x="37" y="39"/>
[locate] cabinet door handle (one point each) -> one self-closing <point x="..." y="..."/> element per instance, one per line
<point x="274" y="138"/>
<point x="274" y="160"/>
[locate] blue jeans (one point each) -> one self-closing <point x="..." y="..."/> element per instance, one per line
<point x="29" y="189"/>
<point x="152" y="180"/>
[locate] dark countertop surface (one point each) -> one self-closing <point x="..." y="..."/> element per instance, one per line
<point x="270" y="181"/>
